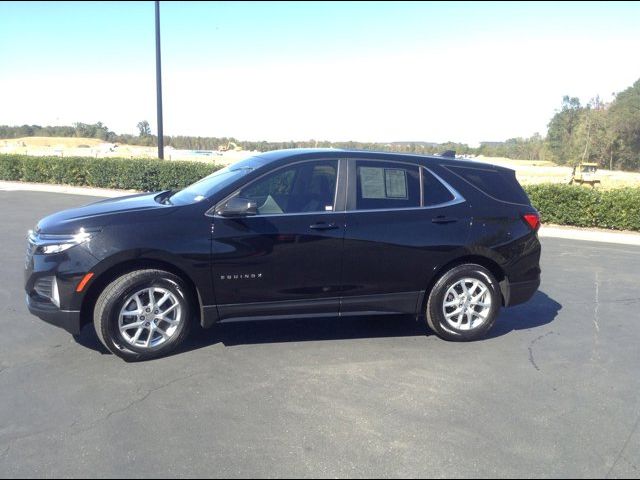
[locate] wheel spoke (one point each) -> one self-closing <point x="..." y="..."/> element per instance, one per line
<point x="469" y="318"/>
<point x="168" y="310"/>
<point x="135" y="338"/>
<point x="478" y="296"/>
<point x="162" y="332"/>
<point x="481" y="304"/>
<point x="149" y="338"/>
<point x="129" y="326"/>
<point x="164" y="298"/>
<point x="152" y="299"/>
<point x="138" y="302"/>
<point x="452" y="314"/>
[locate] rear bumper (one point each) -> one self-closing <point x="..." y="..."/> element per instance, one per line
<point x="518" y="292"/>
<point x="67" y="319"/>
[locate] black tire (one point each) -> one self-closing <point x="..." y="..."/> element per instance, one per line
<point x="434" y="310"/>
<point x="111" y="301"/>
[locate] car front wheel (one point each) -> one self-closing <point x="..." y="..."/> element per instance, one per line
<point x="143" y="314"/>
<point x="464" y="303"/>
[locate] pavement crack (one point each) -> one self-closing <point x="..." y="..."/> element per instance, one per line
<point x="149" y="392"/>
<point x="135" y="402"/>
<point x="105" y="418"/>
<point x="624" y="447"/>
<point x="532" y="360"/>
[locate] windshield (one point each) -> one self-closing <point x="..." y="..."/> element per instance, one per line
<point x="210" y="184"/>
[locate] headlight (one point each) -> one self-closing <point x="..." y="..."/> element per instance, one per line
<point x="49" y="244"/>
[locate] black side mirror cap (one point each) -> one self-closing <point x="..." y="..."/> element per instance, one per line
<point x="238" y="207"/>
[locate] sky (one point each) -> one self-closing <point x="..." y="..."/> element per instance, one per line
<point x="278" y="71"/>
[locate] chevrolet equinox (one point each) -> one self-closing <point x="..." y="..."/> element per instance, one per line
<point x="291" y="233"/>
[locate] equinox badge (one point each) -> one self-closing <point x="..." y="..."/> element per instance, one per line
<point x="241" y="276"/>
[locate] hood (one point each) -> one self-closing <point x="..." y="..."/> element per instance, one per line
<point x="103" y="213"/>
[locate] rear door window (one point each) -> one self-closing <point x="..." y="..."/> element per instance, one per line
<point x="386" y="185"/>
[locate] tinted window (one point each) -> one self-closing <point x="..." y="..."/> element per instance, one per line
<point x="386" y="185"/>
<point x="499" y="184"/>
<point x="209" y="185"/>
<point x="305" y="187"/>
<point x="435" y="193"/>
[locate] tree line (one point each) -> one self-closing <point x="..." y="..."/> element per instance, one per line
<point x="604" y="133"/>
<point x="145" y="138"/>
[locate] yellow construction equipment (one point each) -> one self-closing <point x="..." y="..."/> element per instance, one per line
<point x="227" y="147"/>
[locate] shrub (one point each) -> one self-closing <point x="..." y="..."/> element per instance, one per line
<point x="561" y="204"/>
<point x="587" y="207"/>
<point x="135" y="174"/>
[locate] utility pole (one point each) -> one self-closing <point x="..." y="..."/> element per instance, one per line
<point x="159" y="84"/>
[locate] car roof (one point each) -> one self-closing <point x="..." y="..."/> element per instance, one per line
<point x="290" y="154"/>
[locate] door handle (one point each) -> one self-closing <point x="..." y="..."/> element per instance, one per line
<point x="442" y="219"/>
<point x="323" y="226"/>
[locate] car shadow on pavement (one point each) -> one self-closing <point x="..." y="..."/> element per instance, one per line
<point x="540" y="310"/>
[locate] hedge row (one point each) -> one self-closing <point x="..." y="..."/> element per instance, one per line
<point x="135" y="174"/>
<point x="561" y="204"/>
<point x="581" y="206"/>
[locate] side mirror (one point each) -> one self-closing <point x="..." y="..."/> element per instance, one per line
<point x="238" y="207"/>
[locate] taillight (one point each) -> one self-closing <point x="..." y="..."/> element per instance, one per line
<point x="533" y="220"/>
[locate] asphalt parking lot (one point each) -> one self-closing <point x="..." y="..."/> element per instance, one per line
<point x="553" y="391"/>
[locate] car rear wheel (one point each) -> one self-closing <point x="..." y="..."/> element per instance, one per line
<point x="143" y="314"/>
<point x="464" y="303"/>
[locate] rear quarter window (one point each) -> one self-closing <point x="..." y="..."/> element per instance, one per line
<point x="499" y="184"/>
<point x="435" y="193"/>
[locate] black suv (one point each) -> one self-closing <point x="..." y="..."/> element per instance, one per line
<point x="291" y="233"/>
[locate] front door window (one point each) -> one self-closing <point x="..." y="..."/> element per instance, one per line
<point x="302" y="188"/>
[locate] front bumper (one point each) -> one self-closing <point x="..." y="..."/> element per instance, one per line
<point x="67" y="319"/>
